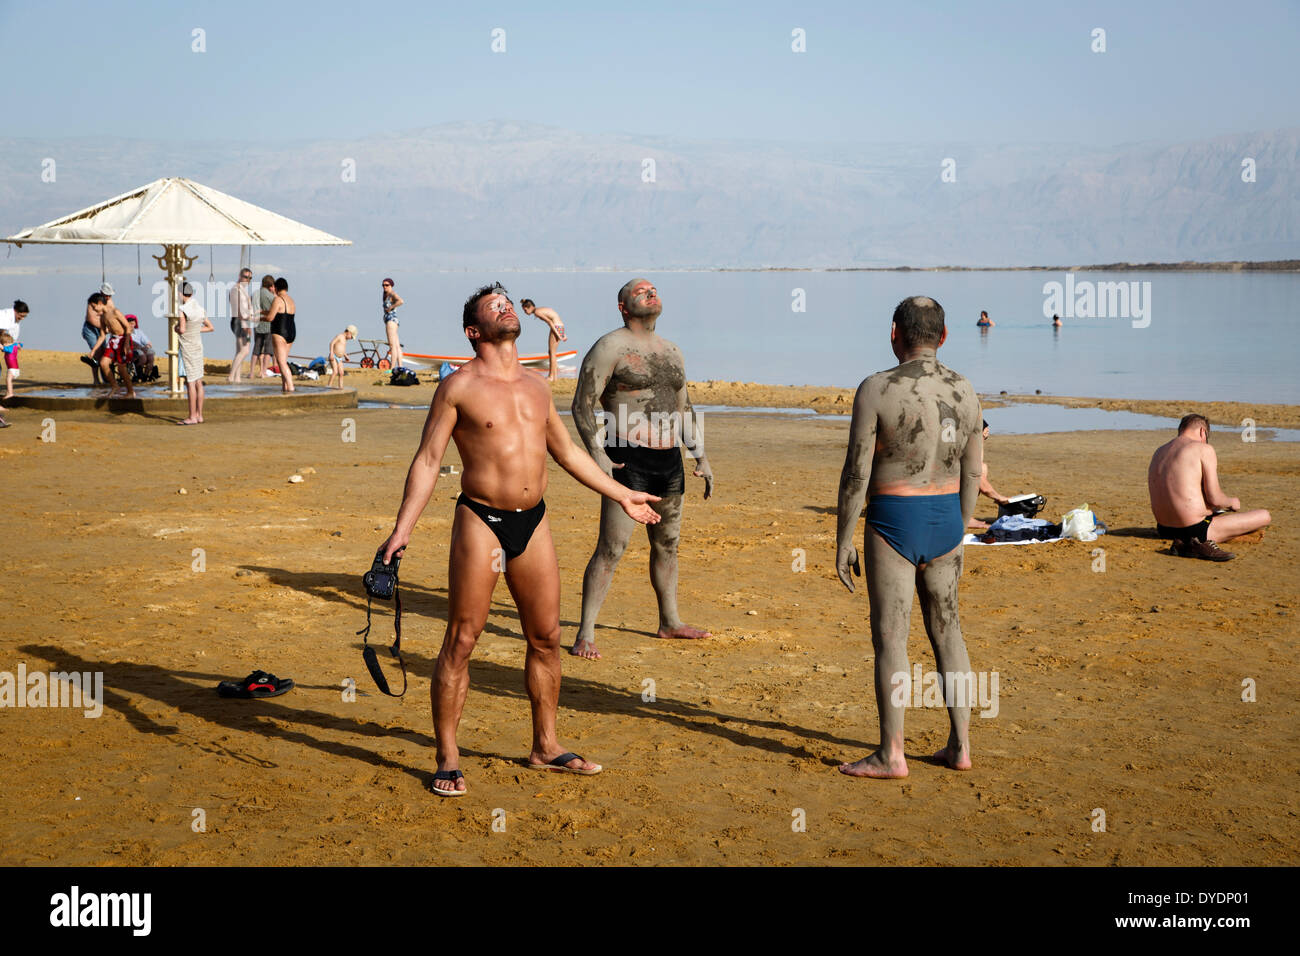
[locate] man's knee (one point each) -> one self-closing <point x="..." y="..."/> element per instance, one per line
<point x="609" y="550"/>
<point x="459" y="643"/>
<point x="663" y="547"/>
<point x="546" y="639"/>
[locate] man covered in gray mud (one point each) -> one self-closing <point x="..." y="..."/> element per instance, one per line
<point x="639" y="381"/>
<point x="915" y="447"/>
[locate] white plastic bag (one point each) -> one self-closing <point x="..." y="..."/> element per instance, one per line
<point x="1079" y="524"/>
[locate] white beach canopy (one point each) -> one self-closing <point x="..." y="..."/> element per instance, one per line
<point x="176" y="213"/>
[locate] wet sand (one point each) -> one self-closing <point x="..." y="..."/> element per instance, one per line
<point x="1118" y="689"/>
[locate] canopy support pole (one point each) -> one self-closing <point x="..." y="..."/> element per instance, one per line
<point x="175" y="263"/>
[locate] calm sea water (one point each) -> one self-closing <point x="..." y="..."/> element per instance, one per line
<point x="1204" y="336"/>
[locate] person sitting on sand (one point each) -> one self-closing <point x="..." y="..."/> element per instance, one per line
<point x="1190" y="508"/>
<point x="986" y="487"/>
<point x="985" y="322"/>
<point x="338" y="353"/>
<point x="556" y="326"/>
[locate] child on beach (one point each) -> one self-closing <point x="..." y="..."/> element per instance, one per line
<point x="339" y="352"/>
<point x="10" y="328"/>
<point x="10" y="348"/>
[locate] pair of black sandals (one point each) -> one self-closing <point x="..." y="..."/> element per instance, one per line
<point x="256" y="684"/>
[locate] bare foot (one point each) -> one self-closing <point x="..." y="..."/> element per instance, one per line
<point x="683" y="632"/>
<point x="958" y="758"/>
<point x="977" y="524"/>
<point x="875" y="766"/>
<point x="448" y="780"/>
<point x="585" y="648"/>
<point x="187" y="421"/>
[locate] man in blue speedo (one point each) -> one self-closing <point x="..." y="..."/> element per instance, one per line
<point x="915" y="447"/>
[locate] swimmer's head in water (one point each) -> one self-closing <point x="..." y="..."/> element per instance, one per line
<point x="639" y="299"/>
<point x="918" y="323"/>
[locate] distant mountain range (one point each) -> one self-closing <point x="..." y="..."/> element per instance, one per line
<point x="505" y="195"/>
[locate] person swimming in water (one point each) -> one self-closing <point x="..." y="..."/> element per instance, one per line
<point x="915" y="446"/>
<point x="985" y="322"/>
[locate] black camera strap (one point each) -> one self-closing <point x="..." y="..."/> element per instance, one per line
<point x="368" y="652"/>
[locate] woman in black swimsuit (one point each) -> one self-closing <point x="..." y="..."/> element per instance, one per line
<point x="283" y="331"/>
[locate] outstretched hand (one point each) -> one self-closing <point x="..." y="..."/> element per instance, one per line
<point x="845" y="559"/>
<point x="636" y="504"/>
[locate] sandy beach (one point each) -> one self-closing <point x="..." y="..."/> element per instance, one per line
<point x="1120" y="690"/>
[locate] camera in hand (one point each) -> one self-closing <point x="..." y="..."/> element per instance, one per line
<point x="381" y="579"/>
<point x="381" y="583"/>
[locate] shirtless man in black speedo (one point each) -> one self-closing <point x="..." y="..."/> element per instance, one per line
<point x="504" y="422"/>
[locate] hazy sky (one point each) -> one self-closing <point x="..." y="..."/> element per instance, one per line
<point x="885" y="72"/>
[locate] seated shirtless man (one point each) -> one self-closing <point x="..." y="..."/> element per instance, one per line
<point x="504" y="421"/>
<point x="1190" y="508"/>
<point x="117" y="353"/>
<point x="986" y="486"/>
<point x="915" y="447"/>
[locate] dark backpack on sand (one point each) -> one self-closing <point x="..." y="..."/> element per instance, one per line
<point x="403" y="376"/>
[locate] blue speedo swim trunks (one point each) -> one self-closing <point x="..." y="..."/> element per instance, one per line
<point x="919" y="527"/>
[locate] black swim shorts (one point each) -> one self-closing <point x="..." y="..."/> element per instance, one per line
<point x="656" y="471"/>
<point x="1193" y="532"/>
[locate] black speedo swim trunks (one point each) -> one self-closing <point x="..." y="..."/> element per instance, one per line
<point x="514" y="529"/>
<point x="657" y="471"/>
<point x="1193" y="532"/>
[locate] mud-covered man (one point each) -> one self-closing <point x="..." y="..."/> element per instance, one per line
<point x="915" y="447"/>
<point x="632" y="410"/>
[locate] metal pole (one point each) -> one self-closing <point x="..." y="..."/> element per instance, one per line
<point x="174" y="262"/>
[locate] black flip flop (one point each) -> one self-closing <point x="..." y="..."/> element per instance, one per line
<point x="452" y="775"/>
<point x="558" y="764"/>
<point x="256" y="684"/>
